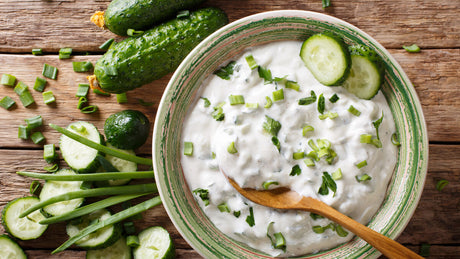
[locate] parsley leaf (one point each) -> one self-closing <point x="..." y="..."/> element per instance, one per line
<point x="266" y="74"/>
<point x="203" y="194"/>
<point x="295" y="170"/>
<point x="250" y="218"/>
<point x="226" y="71"/>
<point x="328" y="183"/>
<point x="272" y="126"/>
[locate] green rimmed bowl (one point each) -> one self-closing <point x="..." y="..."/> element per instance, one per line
<point x="406" y="185"/>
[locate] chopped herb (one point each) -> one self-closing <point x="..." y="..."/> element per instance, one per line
<point x="203" y="194"/>
<point x="363" y="178"/>
<point x="34" y="122"/>
<point x="183" y="14"/>
<point x="89" y="109"/>
<point x="334" y="98"/>
<point x="251" y="62"/>
<point x="226" y="71"/>
<point x="394" y="140"/>
<point x="318" y="229"/>
<point x="307" y="129"/>
<point x="64" y="53"/>
<point x="82" y="66"/>
<point x="134" y="33"/>
<point x="278" y="95"/>
<point x="206" y="101"/>
<point x="25" y="96"/>
<point x="51" y="168"/>
<point x="276" y="142"/>
<point x="82" y="90"/>
<point x="6" y="102"/>
<point x="23" y="132"/>
<point x="223" y="207"/>
<point x="37" y="52"/>
<point x="337" y="174"/>
<point x="250" y="218"/>
<point x="315" y="216"/>
<point x="106" y="45"/>
<point x="269" y="102"/>
<point x="441" y="184"/>
<point x="40" y="84"/>
<point x="35" y="187"/>
<point x="292" y="85"/>
<point x="122" y="98"/>
<point x="361" y="164"/>
<point x="49" y="71"/>
<point x="295" y="170"/>
<point x="37" y="137"/>
<point x="308" y="100"/>
<point x="412" y="48"/>
<point x="340" y="231"/>
<point x="49" y="153"/>
<point x="377" y="125"/>
<point x="280" y="242"/>
<point x="231" y="148"/>
<point x="366" y="138"/>
<point x="328" y="183"/>
<point x="298" y="155"/>
<point x="81" y="102"/>
<point x="265" y="74"/>
<point x="321" y="104"/>
<point x="237" y="213"/>
<point x="271" y="126"/>
<point x="132" y="241"/>
<point x="329" y="114"/>
<point x="48" y="97"/>
<point x="309" y="162"/>
<point x="267" y="184"/>
<point x="144" y="103"/>
<point x="8" y="80"/>
<point x="354" y="111"/>
<point x="188" y="148"/>
<point x="236" y="99"/>
<point x="218" y="113"/>
<point x="252" y="105"/>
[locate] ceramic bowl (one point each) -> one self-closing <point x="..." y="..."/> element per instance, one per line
<point x="406" y="185"/>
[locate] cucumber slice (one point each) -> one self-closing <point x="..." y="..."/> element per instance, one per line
<point x="102" y="238"/>
<point x="327" y="58"/>
<point x="119" y="250"/>
<point x="10" y="249"/>
<point x="155" y="243"/>
<point x="54" y="188"/>
<point x="80" y="157"/>
<point x="366" y="74"/>
<point x="23" y="228"/>
<point x="121" y="165"/>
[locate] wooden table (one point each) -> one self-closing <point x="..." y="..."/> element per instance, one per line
<point x="51" y="25"/>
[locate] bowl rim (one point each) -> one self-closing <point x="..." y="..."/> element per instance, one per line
<point x="163" y="107"/>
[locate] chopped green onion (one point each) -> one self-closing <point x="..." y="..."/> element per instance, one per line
<point x="265" y="74"/>
<point x="6" y="102"/>
<point x="132" y="241"/>
<point x="298" y="155"/>
<point x="361" y="164"/>
<point x="252" y="105"/>
<point x="49" y="71"/>
<point x="441" y="184"/>
<point x="366" y="138"/>
<point x="250" y="218"/>
<point x="377" y="125"/>
<point x="48" y="97"/>
<point x="308" y="100"/>
<point x="329" y="114"/>
<point x="315" y="216"/>
<point x="34" y="122"/>
<point x="334" y="98"/>
<point x="280" y="242"/>
<point x="321" y="103"/>
<point x="183" y="14"/>
<point x="40" y="84"/>
<point x="64" y="53"/>
<point x="49" y="153"/>
<point x="35" y="187"/>
<point x="37" y="52"/>
<point x="292" y="85"/>
<point x="37" y="137"/>
<point x="328" y="183"/>
<point x="23" y="132"/>
<point x="134" y="33"/>
<point x="318" y="229"/>
<point x="412" y="48"/>
<point x="144" y="103"/>
<point x="25" y="96"/>
<point x="251" y="62"/>
<point x="81" y="102"/>
<point x="218" y="113"/>
<point x="89" y="109"/>
<point x="276" y="142"/>
<point x="106" y="45"/>
<point x="326" y="3"/>
<point x="203" y="194"/>
<point x="271" y="126"/>
<point x="8" y="80"/>
<point x="377" y="143"/>
<point x="237" y="213"/>
<point x="309" y="162"/>
<point x="278" y="95"/>
<point x="363" y="178"/>
<point x="110" y="70"/>
<point x="236" y="99"/>
<point x="354" y="111"/>
<point x="340" y="231"/>
<point x="313" y="146"/>
<point x="269" y="102"/>
<point x="223" y="207"/>
<point x="51" y="168"/>
<point x="82" y="90"/>
<point x="295" y="170"/>
<point x="425" y="250"/>
<point x="188" y="148"/>
<point x="82" y="66"/>
<point x="231" y="148"/>
<point x="226" y="71"/>
<point x="99" y="92"/>
<point x="267" y="184"/>
<point x="337" y="174"/>
<point x="122" y="98"/>
<point x="206" y="101"/>
<point x="21" y="88"/>
<point x="307" y="129"/>
<point x="394" y="139"/>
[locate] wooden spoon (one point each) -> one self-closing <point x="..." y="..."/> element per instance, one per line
<point x="284" y="198"/>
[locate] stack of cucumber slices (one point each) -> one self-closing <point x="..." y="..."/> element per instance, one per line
<point x="357" y="68"/>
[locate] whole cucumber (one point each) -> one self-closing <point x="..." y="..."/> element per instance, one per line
<point x="136" y="61"/>
<point x="122" y="15"/>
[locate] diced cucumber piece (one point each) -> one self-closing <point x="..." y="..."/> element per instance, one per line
<point x="10" y="249"/>
<point x="80" y="157"/>
<point x="25" y="228"/>
<point x="54" y="188"/>
<point x="366" y="74"/>
<point x="155" y="243"/>
<point x="119" y="250"/>
<point x="102" y="238"/>
<point x="327" y="58"/>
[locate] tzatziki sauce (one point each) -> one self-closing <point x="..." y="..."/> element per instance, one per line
<point x="263" y="132"/>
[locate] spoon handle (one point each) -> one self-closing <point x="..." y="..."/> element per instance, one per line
<point x="385" y="245"/>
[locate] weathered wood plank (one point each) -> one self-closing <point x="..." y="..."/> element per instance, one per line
<point x="54" y="24"/>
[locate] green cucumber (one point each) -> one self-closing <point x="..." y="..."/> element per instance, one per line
<point x="25" y="228"/>
<point x="79" y="157"/>
<point x="128" y="129"/>
<point x="122" y="15"/>
<point x="119" y="250"/>
<point x="155" y="243"/>
<point x="136" y="61"/>
<point x="366" y="74"/>
<point x="53" y="188"/>
<point x="327" y="58"/>
<point x="102" y="238"/>
<point x="10" y="249"/>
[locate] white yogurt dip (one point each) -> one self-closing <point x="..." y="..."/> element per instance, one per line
<point x="253" y="158"/>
